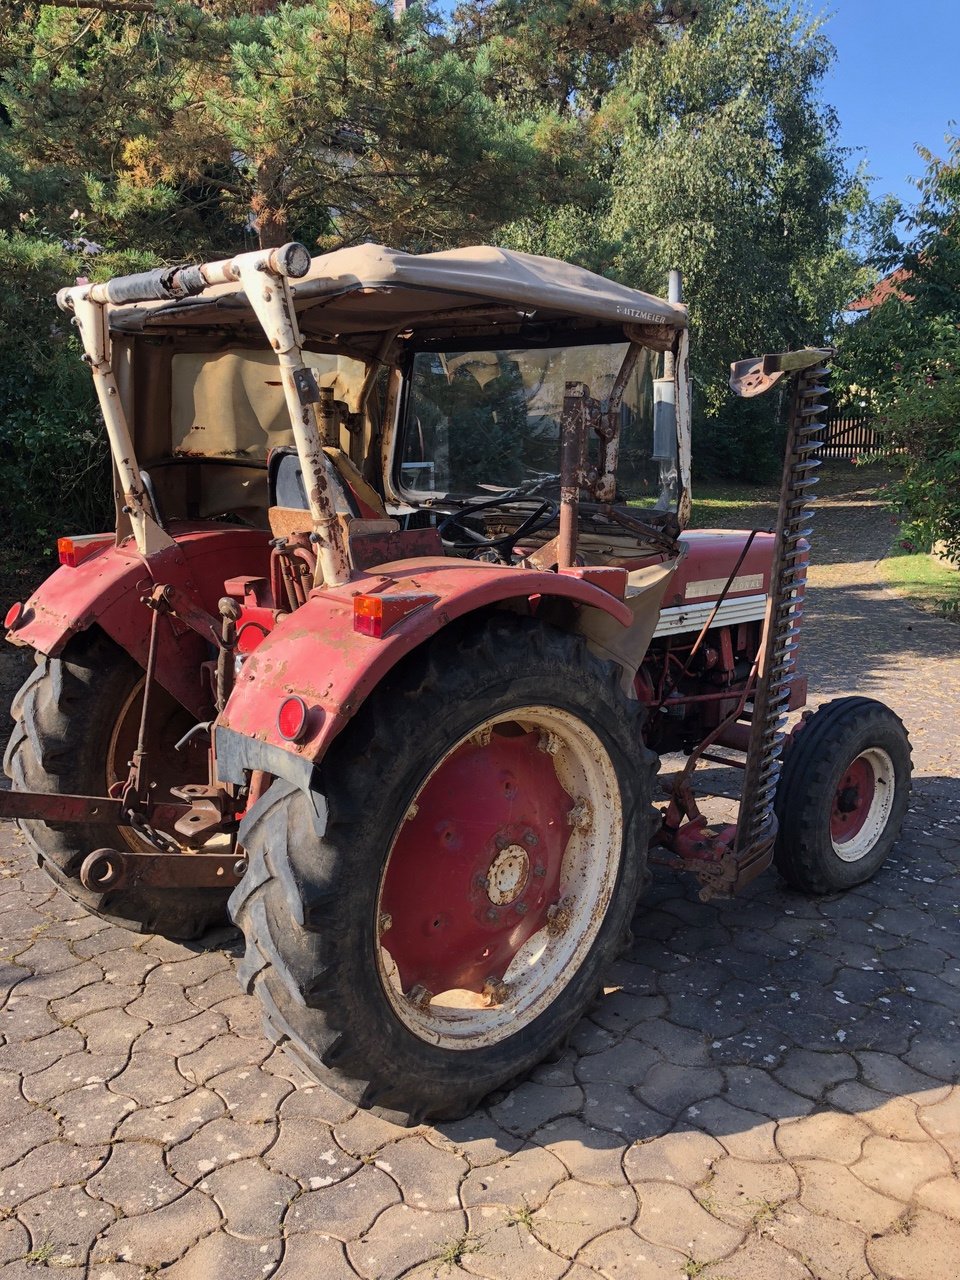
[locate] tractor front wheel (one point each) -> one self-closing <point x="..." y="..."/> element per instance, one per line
<point x="485" y="845"/>
<point x="76" y="721"/>
<point x="842" y="795"/>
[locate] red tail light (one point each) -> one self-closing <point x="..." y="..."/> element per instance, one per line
<point x="374" y="615"/>
<point x="73" y="551"/>
<point x="14" y="614"/>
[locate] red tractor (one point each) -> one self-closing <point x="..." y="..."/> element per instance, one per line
<point x="381" y="661"/>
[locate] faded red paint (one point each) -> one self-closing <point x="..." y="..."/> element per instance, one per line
<point x="106" y="588"/>
<point x="447" y="927"/>
<point x="316" y="653"/>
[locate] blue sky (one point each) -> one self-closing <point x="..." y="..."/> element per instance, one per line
<point x="896" y="82"/>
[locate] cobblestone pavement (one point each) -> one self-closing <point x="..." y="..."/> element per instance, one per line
<point x="766" y="1088"/>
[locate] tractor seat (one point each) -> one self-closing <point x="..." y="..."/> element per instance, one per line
<point x="352" y="496"/>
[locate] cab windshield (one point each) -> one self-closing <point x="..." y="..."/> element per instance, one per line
<point x="480" y="422"/>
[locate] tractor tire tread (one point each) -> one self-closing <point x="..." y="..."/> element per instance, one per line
<point x="290" y="906"/>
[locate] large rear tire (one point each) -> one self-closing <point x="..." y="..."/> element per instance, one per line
<point x="75" y="724"/>
<point x="842" y="795"/>
<point x="485" y="846"/>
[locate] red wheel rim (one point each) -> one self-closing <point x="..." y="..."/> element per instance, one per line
<point x="852" y="801"/>
<point x="478" y="865"/>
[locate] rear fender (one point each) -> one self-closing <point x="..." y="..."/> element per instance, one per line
<point x="105" y="590"/>
<point x="316" y="654"/>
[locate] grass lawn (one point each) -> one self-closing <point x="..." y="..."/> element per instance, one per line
<point x="926" y="581"/>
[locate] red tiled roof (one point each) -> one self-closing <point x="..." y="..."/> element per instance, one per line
<point x="886" y="288"/>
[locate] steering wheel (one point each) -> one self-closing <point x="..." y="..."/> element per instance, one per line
<point x="503" y="543"/>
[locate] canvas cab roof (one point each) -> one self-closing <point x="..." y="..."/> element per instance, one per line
<point x="371" y="291"/>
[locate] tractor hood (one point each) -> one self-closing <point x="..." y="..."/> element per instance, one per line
<point x="372" y="290"/>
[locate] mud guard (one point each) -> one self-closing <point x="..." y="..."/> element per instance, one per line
<point x="316" y="654"/>
<point x="105" y="590"/>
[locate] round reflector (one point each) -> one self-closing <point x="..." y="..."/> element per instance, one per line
<point x="292" y="719"/>
<point x="14" y="614"/>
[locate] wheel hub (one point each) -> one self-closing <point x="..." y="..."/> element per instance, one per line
<point x="507" y="876"/>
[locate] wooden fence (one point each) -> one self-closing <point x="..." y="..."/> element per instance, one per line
<point x="849" y="433"/>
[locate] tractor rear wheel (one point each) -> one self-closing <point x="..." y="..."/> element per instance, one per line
<point x="842" y="795"/>
<point x="76" y="720"/>
<point x="484" y="849"/>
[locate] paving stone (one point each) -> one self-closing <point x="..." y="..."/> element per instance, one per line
<point x="125" y="965"/>
<point x="530" y="1105"/>
<point x="477" y="1138"/>
<point x="623" y="1255"/>
<point x="219" y="1142"/>
<point x="925" y="1248"/>
<point x="14" y="1240"/>
<point x="576" y="1212"/>
<point x="758" y="1089"/>
<point x="315" y="1102"/>
<point x="671" y="1216"/>
<point x="252" y="1198"/>
<point x="160" y="1238"/>
<point x="26" y="1019"/>
<point x="588" y="1154"/>
<point x="96" y="996"/>
<point x="888" y="1074"/>
<point x="524" y="1179"/>
<point x="898" y="1168"/>
<point x="621" y="1011"/>
<point x="162" y="1003"/>
<point x="746" y="1192"/>
<point x="758" y="1259"/>
<point x="222" y="1255"/>
<point x="402" y="1237"/>
<point x="150" y="1081"/>
<point x="831" y="1249"/>
<point x="67" y="1219"/>
<point x="935" y="1057"/>
<point x="316" y="1256"/>
<point x="23" y="1134"/>
<point x="506" y="1248"/>
<point x="181" y="1038"/>
<point x="833" y="1191"/>
<point x="243" y="1016"/>
<point x="221" y="1054"/>
<point x="942" y="1195"/>
<point x="221" y="985"/>
<point x="90" y="1113"/>
<point x="56" y="986"/>
<point x="109" y="1030"/>
<point x="364" y="1134"/>
<point x="135" y="1178"/>
<point x="685" y="1157"/>
<point x="744" y="1134"/>
<point x="670" y="1089"/>
<point x="614" y="1107"/>
<point x="680" y="1045"/>
<point x="36" y="1055"/>
<point x="71" y="1072"/>
<point x="428" y="1177"/>
<point x="251" y="1093"/>
<point x="825" y="1135"/>
<point x="306" y="1151"/>
<point x="347" y="1209"/>
<point x="890" y="1117"/>
<point x="55" y="1164"/>
<point x="624" y="1063"/>
<point x="172" y="1122"/>
<point x="941" y="1120"/>
<point x="811" y="1074"/>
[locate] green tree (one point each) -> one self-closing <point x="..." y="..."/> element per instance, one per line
<point x="904" y="357"/>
